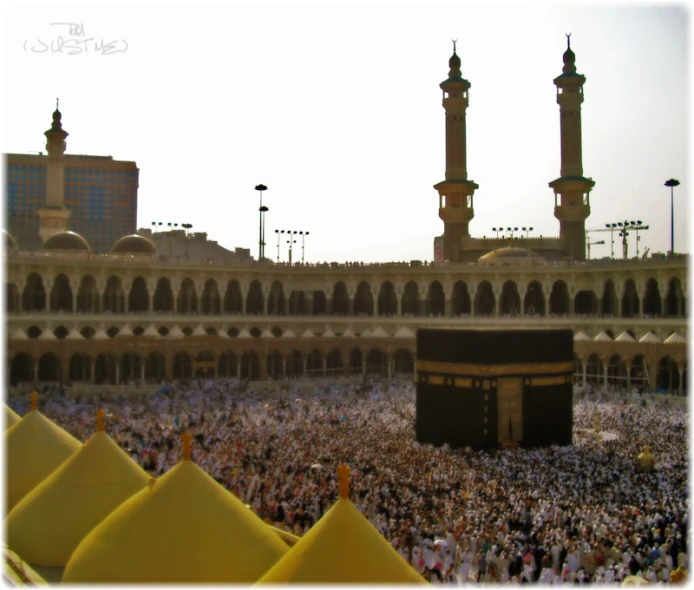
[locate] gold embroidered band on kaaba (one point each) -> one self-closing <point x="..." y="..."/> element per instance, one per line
<point x="495" y="370"/>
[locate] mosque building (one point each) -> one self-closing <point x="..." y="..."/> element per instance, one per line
<point x="142" y="315"/>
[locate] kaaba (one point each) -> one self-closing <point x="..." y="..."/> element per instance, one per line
<point x="494" y="388"/>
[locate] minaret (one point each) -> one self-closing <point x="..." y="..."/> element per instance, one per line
<point x="455" y="193"/>
<point x="572" y="187"/>
<point x="53" y="216"/>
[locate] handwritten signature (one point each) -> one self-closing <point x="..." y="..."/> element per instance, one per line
<point x="76" y="43"/>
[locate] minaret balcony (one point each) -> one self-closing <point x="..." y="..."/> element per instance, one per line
<point x="453" y="214"/>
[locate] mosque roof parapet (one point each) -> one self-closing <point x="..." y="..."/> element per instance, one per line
<point x="625" y="337"/>
<point x="675" y="338"/>
<point x="267" y="334"/>
<point x="650" y="338"/>
<point x="603" y="337"/>
<point x="199" y="331"/>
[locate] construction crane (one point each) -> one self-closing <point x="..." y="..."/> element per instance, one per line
<point x="623" y="227"/>
<point x="589" y="244"/>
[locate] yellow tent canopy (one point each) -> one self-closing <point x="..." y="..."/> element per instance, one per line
<point x="11" y="417"/>
<point x="342" y="548"/>
<point x="46" y="526"/>
<point x="35" y="448"/>
<point x="183" y="528"/>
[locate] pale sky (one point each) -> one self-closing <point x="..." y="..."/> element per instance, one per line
<point x="337" y="109"/>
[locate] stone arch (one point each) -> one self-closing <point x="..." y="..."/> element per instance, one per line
<point x="210" y="301"/>
<point x="340" y="299"/>
<point x="651" y="299"/>
<point x="61" y="332"/>
<point x="274" y="365"/>
<point x="187" y="330"/>
<point x="233" y="332"/>
<point x="534" y="301"/>
<point x="49" y="368"/>
<point x="250" y="366"/>
<point x="255" y="300"/>
<point x="320" y="303"/>
<point x="595" y="372"/>
<point x="630" y="300"/>
<point x="387" y="299"/>
<point x="616" y="372"/>
<point x="436" y="299"/>
<point x="509" y="300"/>
<point x="314" y="364"/>
<point x="403" y="362"/>
<point x="233" y="299"/>
<point x="668" y="377"/>
<point x="34" y="295"/>
<point x="485" y="301"/>
<point x="227" y="365"/>
<point x="130" y="367"/>
<point x="33" y="332"/>
<point x="559" y="298"/>
<point x="674" y="300"/>
<point x="277" y="331"/>
<point x="609" y="299"/>
<point x="138" y="331"/>
<point x="255" y="332"/>
<point x="276" y="301"/>
<point x="61" y="294"/>
<point x="460" y="301"/>
<point x="114" y="296"/>
<point x="21" y="370"/>
<point x="155" y="367"/>
<point x="355" y="362"/>
<point x="204" y="356"/>
<point x="333" y="364"/>
<point x="112" y="332"/>
<point x="295" y="364"/>
<point x="410" y="299"/>
<point x="182" y="367"/>
<point x="187" y="300"/>
<point x="11" y="297"/>
<point x="138" y="300"/>
<point x="211" y="331"/>
<point x="105" y="369"/>
<point x="163" y="296"/>
<point x="87" y="332"/>
<point x="638" y="372"/>
<point x="364" y="300"/>
<point x="297" y="303"/>
<point x="163" y="331"/>
<point x="87" y="295"/>
<point x="586" y="303"/>
<point x="377" y="363"/>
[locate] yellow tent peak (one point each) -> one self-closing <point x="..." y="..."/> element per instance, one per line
<point x="342" y="547"/>
<point x="343" y="472"/>
<point x="35" y="448"/>
<point x="147" y="539"/>
<point x="100" y="420"/>
<point x="34" y="400"/>
<point x="186" y="437"/>
<point x="11" y="417"/>
<point x="46" y="526"/>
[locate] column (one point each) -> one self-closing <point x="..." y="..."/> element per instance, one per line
<point x="628" y="366"/>
<point x="284" y="367"/>
<point x="329" y="304"/>
<point x="238" y="364"/>
<point x="118" y="372"/>
<point x="398" y="297"/>
<point x="308" y="302"/>
<point x="497" y="300"/>
<point x="305" y="363"/>
<point x="36" y="370"/>
<point x="363" y="363"/>
<point x="585" y="371"/>
<point x="92" y="366"/>
<point x="680" y="369"/>
<point x="390" y="368"/>
<point x="325" y="365"/>
<point x="142" y="370"/>
<point x="423" y="292"/>
<point x="522" y="292"/>
<point x="244" y="288"/>
<point x="449" y="308"/>
<point x="604" y="366"/>
<point x="473" y="293"/>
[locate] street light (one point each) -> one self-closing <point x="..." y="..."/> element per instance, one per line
<point x="637" y="227"/>
<point x="611" y="227"/>
<point x="527" y="230"/>
<point x="303" y="237"/>
<point x="672" y="183"/>
<point x="497" y="230"/>
<point x="623" y="234"/>
<point x="278" y="232"/>
<point x="261" y="242"/>
<point x="291" y="241"/>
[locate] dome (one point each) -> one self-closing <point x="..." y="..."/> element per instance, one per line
<point x="90" y="485"/>
<point x="134" y="244"/>
<point x="183" y="528"/>
<point x="66" y="241"/>
<point x="342" y="548"/>
<point x="510" y="255"/>
<point x="35" y="448"/>
<point x="10" y="242"/>
<point x="11" y="417"/>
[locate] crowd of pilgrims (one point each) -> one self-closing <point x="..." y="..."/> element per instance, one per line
<point x="556" y="515"/>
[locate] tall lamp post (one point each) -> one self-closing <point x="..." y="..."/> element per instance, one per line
<point x="527" y="231"/>
<point x="611" y="227"/>
<point x="291" y="241"/>
<point x="303" y="235"/>
<point x="278" y="232"/>
<point x="672" y="183"/>
<point x="260" y="188"/>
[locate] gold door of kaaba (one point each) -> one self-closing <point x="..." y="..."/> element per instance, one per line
<point x="510" y="410"/>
